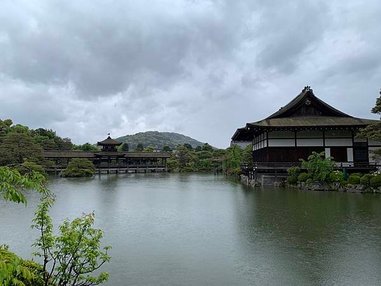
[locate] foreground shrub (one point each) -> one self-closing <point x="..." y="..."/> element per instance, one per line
<point x="292" y="180"/>
<point x="309" y="181"/>
<point x="336" y="177"/>
<point x="71" y="257"/>
<point x="16" y="271"/>
<point x="375" y="181"/>
<point x="302" y="177"/>
<point x="318" y="167"/>
<point x="12" y="184"/>
<point x="293" y="174"/>
<point x="79" y="168"/>
<point x="365" y="180"/>
<point x="354" y="179"/>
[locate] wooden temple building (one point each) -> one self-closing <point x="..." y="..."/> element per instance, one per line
<point x="304" y="125"/>
<point x="110" y="160"/>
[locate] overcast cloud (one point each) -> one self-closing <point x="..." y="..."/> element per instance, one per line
<point x="201" y="68"/>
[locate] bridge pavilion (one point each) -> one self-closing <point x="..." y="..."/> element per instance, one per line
<point x="109" y="159"/>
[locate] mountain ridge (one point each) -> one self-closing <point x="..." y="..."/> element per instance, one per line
<point x="158" y="139"/>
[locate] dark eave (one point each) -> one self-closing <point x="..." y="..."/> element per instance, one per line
<point x="311" y="121"/>
<point x="242" y="134"/>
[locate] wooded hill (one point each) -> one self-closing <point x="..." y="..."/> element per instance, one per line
<point x="158" y="140"/>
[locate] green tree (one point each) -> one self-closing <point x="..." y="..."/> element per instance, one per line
<point x="87" y="147"/>
<point x="373" y="131"/>
<point x="233" y="160"/>
<point x="5" y="126"/>
<point x="188" y="146"/>
<point x="247" y="156"/>
<point x="125" y="147"/>
<point x="183" y="156"/>
<point x="318" y="167"/>
<point x="12" y="184"/>
<point x="166" y="148"/>
<point x="139" y="147"/>
<point x="13" y="269"/>
<point x="18" y="147"/>
<point x="16" y="271"/>
<point x="149" y="149"/>
<point x="70" y="257"/>
<point x="207" y="147"/>
<point x="79" y="167"/>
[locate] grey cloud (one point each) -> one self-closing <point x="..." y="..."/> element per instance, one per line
<point x="287" y="30"/>
<point x="103" y="53"/>
<point x="204" y="68"/>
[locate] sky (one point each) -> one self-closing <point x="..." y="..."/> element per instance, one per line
<point x="201" y="68"/>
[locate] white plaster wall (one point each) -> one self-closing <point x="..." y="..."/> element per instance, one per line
<point x="350" y="154"/>
<point x="327" y="152"/>
<point x="309" y="142"/>
<point x="281" y="143"/>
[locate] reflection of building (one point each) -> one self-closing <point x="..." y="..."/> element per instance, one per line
<point x="304" y="125"/>
<point x="110" y="160"/>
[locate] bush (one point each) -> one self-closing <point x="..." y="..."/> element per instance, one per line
<point x="16" y="271"/>
<point x="354" y="179"/>
<point x="318" y="167"/>
<point x="309" y="181"/>
<point x="73" y="255"/>
<point x="336" y="177"/>
<point x="375" y="181"/>
<point x="302" y="177"/>
<point x="29" y="166"/>
<point x="293" y="171"/>
<point x="292" y="180"/>
<point x="293" y="174"/>
<point x="365" y="180"/>
<point x="357" y="174"/>
<point x="79" y="168"/>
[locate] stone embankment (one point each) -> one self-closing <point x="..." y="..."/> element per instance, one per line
<point x="280" y="181"/>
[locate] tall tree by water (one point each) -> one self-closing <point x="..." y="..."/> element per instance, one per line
<point x="373" y="131"/>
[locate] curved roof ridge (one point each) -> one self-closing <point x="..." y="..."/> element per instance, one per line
<point x="307" y="91"/>
<point x="109" y="141"/>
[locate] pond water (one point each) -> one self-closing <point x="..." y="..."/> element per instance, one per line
<point x="171" y="229"/>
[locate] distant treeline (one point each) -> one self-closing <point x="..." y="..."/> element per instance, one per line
<point x="23" y="147"/>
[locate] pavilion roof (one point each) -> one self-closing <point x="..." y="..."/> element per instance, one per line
<point x="307" y="94"/>
<point x="109" y="141"/>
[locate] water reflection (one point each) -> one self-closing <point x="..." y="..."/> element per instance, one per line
<point x="176" y="229"/>
<point x="306" y="235"/>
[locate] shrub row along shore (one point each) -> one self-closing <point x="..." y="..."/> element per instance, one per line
<point x="318" y="173"/>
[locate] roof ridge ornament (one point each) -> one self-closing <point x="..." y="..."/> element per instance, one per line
<point x="307" y="88"/>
